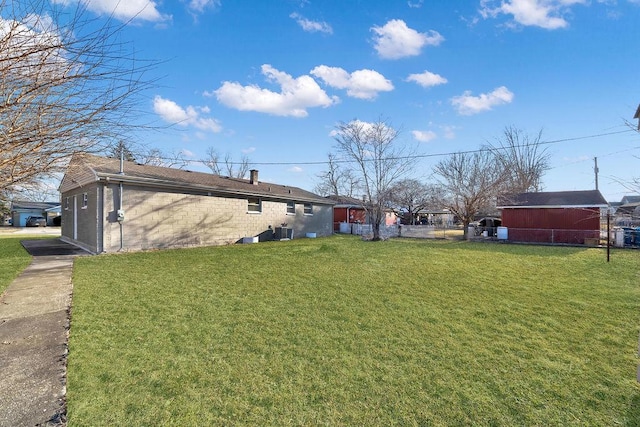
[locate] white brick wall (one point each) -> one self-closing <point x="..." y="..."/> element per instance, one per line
<point x="160" y="220"/>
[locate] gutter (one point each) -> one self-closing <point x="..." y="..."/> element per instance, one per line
<point x="183" y="186"/>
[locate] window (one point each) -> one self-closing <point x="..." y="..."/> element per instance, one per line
<point x="85" y="200"/>
<point x="254" y="205"/>
<point x="66" y="204"/>
<point x="308" y="209"/>
<point x="291" y="207"/>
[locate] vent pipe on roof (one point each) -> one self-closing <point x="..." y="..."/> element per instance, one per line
<point x="121" y="160"/>
<point x="253" y="176"/>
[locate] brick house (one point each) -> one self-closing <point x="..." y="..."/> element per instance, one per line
<point x="146" y="207"/>
<point x="21" y="210"/>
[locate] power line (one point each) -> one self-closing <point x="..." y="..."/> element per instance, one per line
<point x="421" y="156"/>
<point x="479" y="150"/>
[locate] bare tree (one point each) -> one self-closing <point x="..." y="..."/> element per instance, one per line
<point x="523" y="158"/>
<point x="147" y="156"/>
<point x="632" y="184"/>
<point x="379" y="162"/>
<point x="471" y="182"/>
<point x="337" y="180"/>
<point x="226" y="166"/>
<point x="67" y="84"/>
<point x="410" y="196"/>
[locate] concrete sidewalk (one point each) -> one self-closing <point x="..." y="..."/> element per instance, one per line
<point x="34" y="325"/>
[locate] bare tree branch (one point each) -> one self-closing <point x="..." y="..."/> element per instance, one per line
<point x="337" y="180"/>
<point x="67" y="84"/>
<point x="524" y="160"/>
<point x="379" y="162"/>
<point x="410" y="196"/>
<point x="471" y="181"/>
<point x="226" y="166"/>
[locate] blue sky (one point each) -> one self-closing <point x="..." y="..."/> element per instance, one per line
<point x="271" y="79"/>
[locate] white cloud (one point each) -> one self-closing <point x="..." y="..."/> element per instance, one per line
<point x="424" y="135"/>
<point x="34" y="46"/>
<point x="296" y="169"/>
<point x="449" y="131"/>
<point x="427" y="79"/>
<point x="468" y="105"/>
<point x="395" y="40"/>
<point x="145" y="10"/>
<point x="198" y="6"/>
<point x="362" y="84"/>
<point x="311" y="26"/>
<point x="172" y="113"/>
<point x="248" y="150"/>
<point x="548" y="14"/>
<point x="295" y="96"/>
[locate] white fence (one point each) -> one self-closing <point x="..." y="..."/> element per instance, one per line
<point x="386" y="231"/>
<point x="412" y="231"/>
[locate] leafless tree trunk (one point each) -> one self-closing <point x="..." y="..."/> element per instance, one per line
<point x="471" y="182"/>
<point x="226" y="166"/>
<point x="67" y="84"/>
<point x="379" y="162"/>
<point x="337" y="180"/>
<point x="523" y="159"/>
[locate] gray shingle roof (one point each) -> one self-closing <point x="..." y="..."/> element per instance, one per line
<point x="631" y="199"/>
<point x="86" y="168"/>
<point x="346" y="201"/>
<point x="589" y="198"/>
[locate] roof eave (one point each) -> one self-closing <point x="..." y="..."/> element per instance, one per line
<point x="553" y="206"/>
<point x="108" y="177"/>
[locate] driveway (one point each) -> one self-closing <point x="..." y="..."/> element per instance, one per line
<point x="52" y="247"/>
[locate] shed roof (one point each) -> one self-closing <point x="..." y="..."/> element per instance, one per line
<point x="346" y="201"/>
<point x="554" y="199"/>
<point x="86" y="168"/>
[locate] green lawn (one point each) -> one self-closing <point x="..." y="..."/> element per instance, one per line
<point x="13" y="258"/>
<point x="338" y="331"/>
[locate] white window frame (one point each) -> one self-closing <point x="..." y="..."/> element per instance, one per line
<point x="85" y="200"/>
<point x="310" y="208"/>
<point x="289" y="205"/>
<point x="254" y="208"/>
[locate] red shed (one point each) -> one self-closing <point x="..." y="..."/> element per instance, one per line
<point x="553" y="217"/>
<point x="349" y="210"/>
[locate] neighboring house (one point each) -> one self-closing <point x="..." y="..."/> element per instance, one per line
<point x="146" y="207"/>
<point x="553" y="217"/>
<point x="438" y="218"/>
<point x="349" y="210"/>
<point x="21" y="210"/>
<point x="627" y="212"/>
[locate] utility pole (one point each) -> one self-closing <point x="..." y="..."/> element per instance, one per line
<point x="596" y="170"/>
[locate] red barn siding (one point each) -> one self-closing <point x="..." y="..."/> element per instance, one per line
<point x="340" y="215"/>
<point x="552" y="225"/>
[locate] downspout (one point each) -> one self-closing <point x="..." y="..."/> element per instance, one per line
<point x="120" y="222"/>
<point x="120" y="200"/>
